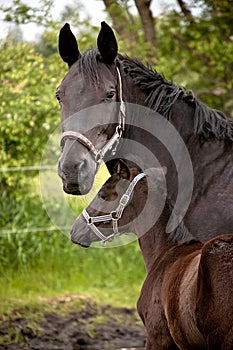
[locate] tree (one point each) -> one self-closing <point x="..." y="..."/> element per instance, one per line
<point x="19" y="12"/>
<point x="126" y="24"/>
<point x="201" y="49"/>
<point x="28" y="108"/>
<point x="147" y="19"/>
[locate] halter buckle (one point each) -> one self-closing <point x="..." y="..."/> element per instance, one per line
<point x="119" y="131"/>
<point x="98" y="157"/>
<point x="124" y="199"/>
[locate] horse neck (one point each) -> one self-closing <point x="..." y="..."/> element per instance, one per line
<point x="154" y="240"/>
<point x="206" y="157"/>
<point x="158" y="240"/>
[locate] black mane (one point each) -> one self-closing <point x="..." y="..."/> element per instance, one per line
<point x="87" y="65"/>
<point x="162" y="94"/>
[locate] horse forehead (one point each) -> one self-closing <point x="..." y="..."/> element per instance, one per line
<point x="81" y="77"/>
<point x="73" y="77"/>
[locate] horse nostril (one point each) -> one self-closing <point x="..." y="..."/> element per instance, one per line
<point x="59" y="169"/>
<point x="62" y="176"/>
<point x="61" y="173"/>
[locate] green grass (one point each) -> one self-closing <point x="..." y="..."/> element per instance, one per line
<point x="35" y="266"/>
<point x="113" y="276"/>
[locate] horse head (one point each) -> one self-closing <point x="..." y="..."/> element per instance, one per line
<point x="119" y="203"/>
<point x="92" y="79"/>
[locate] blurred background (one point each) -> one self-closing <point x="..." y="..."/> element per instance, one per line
<point x="189" y="42"/>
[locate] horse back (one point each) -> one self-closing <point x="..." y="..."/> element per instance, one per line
<point x="214" y="308"/>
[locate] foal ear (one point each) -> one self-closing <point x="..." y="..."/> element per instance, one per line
<point x="122" y="169"/>
<point x="68" y="46"/>
<point x="107" y="43"/>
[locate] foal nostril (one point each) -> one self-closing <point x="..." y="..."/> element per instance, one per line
<point x="102" y="195"/>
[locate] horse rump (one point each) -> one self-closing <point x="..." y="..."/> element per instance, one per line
<point x="214" y="307"/>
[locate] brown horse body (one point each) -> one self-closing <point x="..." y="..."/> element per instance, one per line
<point x="186" y="301"/>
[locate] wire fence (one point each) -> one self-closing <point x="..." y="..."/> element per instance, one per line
<point x="28" y="168"/>
<point x="33" y="230"/>
<point x="28" y="229"/>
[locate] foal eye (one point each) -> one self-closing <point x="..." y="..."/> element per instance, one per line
<point x="110" y="95"/>
<point x="102" y="195"/>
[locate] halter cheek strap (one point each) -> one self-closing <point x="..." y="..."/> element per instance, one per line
<point x="112" y="143"/>
<point x="114" y="216"/>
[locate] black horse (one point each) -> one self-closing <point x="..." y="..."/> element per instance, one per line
<point x="100" y="77"/>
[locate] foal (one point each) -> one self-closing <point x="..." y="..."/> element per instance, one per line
<point x="186" y="301"/>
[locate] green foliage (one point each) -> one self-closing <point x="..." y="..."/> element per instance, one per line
<point x="28" y="108"/>
<point x="20" y="12"/>
<point x="198" y="56"/>
<point x="19" y="250"/>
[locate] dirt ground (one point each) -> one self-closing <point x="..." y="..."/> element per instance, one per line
<point x="90" y="328"/>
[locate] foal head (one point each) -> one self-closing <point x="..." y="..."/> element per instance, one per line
<point x="123" y="205"/>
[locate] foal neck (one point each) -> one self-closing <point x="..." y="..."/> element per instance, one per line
<point x="157" y="240"/>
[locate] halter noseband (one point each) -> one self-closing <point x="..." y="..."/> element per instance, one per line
<point x="114" y="216"/>
<point x="112" y="143"/>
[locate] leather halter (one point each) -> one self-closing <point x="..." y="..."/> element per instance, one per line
<point x="114" y="216"/>
<point x="112" y="143"/>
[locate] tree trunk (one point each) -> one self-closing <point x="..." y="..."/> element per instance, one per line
<point x="143" y="7"/>
<point x="185" y="10"/>
<point x="119" y="19"/>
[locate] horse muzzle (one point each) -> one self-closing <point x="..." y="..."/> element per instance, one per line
<point x="77" y="177"/>
<point x="74" y="189"/>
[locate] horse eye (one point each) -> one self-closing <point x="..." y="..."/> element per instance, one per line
<point x="110" y="95"/>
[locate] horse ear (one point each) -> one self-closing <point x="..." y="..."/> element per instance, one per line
<point x="122" y="169"/>
<point x="107" y="43"/>
<point x="68" y="46"/>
